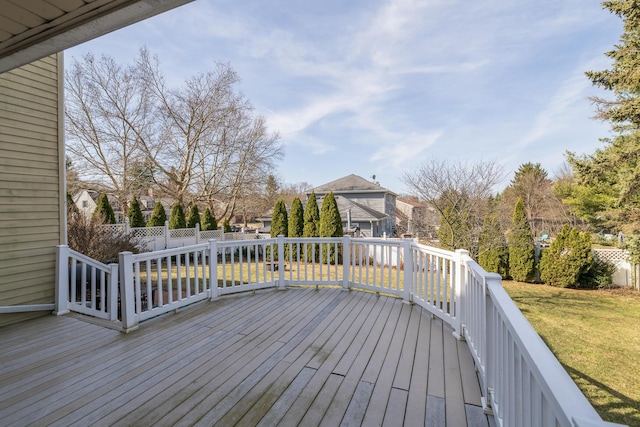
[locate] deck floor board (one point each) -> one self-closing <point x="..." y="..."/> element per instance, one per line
<point x="296" y="357"/>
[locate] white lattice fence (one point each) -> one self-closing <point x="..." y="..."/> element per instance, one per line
<point x="617" y="257"/>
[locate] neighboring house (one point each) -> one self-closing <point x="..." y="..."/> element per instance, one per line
<point x="363" y="205"/>
<point x="32" y="158"/>
<point x="85" y="201"/>
<point x="416" y="218"/>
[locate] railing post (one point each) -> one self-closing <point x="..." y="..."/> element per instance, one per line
<point x="487" y="375"/>
<point x="213" y="269"/>
<point x="112" y="292"/>
<point x="281" y="261"/>
<point x="197" y="233"/>
<point x="407" y="260"/>
<point x="62" y="280"/>
<point x="127" y="297"/>
<point x="457" y="311"/>
<point x="346" y="261"/>
<point x="127" y="226"/>
<point x="166" y="235"/>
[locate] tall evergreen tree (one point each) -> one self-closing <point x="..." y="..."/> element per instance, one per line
<point x="226" y="227"/>
<point x="612" y="172"/>
<point x="208" y="220"/>
<point x="194" y="216"/>
<point x="279" y="220"/>
<point x="136" y="219"/>
<point x="330" y="226"/>
<point x="103" y="213"/>
<point x="493" y="252"/>
<point x="522" y="250"/>
<point x="177" y="219"/>
<point x="159" y="216"/>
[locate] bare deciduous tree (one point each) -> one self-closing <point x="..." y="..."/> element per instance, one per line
<point x="461" y="189"/>
<point x="200" y="142"/>
<point x="106" y="110"/>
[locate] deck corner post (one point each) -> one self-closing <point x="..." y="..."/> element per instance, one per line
<point x="346" y="261"/>
<point x="407" y="260"/>
<point x="281" y="261"/>
<point x="62" y="280"/>
<point x="459" y="305"/>
<point x="112" y="293"/>
<point x="213" y="270"/>
<point x="127" y="297"/>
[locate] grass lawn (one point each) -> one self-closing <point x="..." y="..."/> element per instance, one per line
<point x="596" y="337"/>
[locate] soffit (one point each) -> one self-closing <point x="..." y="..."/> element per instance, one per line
<point x="32" y="29"/>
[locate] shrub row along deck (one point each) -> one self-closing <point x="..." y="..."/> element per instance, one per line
<point x="520" y="381"/>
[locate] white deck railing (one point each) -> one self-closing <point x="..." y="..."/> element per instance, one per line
<point x="521" y="381"/>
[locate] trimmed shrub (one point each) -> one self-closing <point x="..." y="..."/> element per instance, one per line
<point x="226" y="227"/>
<point x="136" y="219"/>
<point x="599" y="275"/>
<point x="194" y="217"/>
<point x="208" y="221"/>
<point x="103" y="214"/>
<point x="159" y="216"/>
<point x="566" y="259"/>
<point x="522" y="251"/>
<point x="177" y="220"/>
<point x="493" y="253"/>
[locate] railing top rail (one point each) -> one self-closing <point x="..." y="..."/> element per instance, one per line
<point x="87" y="260"/>
<point x="559" y="388"/>
<point x="238" y="243"/>
<point x="144" y="256"/>
<point x="376" y="241"/>
<point x="443" y="253"/>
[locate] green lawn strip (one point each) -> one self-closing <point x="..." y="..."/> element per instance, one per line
<point x="596" y="337"/>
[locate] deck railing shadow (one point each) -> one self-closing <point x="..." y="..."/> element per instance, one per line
<point x="522" y="383"/>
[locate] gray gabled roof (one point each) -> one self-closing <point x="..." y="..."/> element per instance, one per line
<point x="351" y="184"/>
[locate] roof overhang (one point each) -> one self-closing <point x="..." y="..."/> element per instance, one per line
<point x="34" y="29"/>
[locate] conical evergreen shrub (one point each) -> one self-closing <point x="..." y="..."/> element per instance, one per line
<point x="208" y="221"/>
<point x="330" y="226"/>
<point x="159" y="216"/>
<point x="566" y="259"/>
<point x="177" y="219"/>
<point x="136" y="219"/>
<point x="522" y="250"/>
<point x="194" y="216"/>
<point x="103" y="214"/>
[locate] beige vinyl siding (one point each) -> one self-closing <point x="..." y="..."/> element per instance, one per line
<point x="31" y="184"/>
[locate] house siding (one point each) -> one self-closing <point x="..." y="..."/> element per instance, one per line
<point x="31" y="184"/>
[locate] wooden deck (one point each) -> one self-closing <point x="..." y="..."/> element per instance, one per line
<point x="296" y="357"/>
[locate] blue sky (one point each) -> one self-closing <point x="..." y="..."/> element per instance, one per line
<point x="375" y="87"/>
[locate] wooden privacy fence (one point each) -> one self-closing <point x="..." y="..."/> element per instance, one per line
<point x="521" y="381"/>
